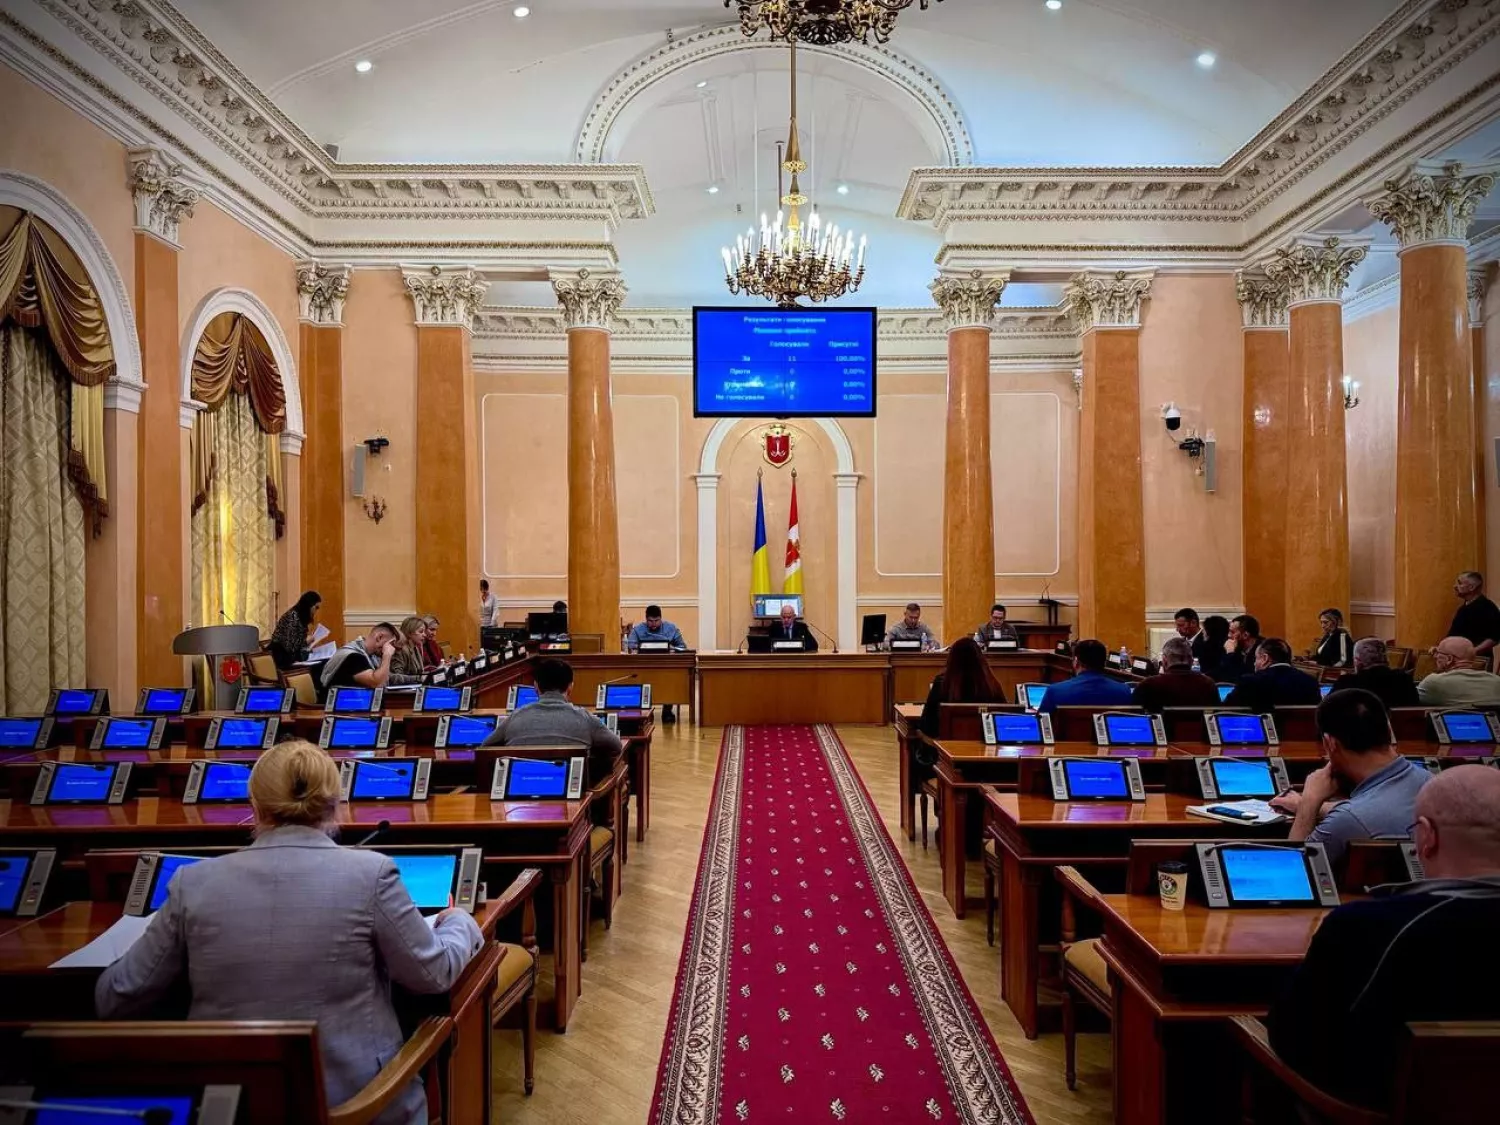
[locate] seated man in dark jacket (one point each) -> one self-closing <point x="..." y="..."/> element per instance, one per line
<point x="1177" y="685"/>
<point x="1373" y="673"/>
<point x="1274" y="683"/>
<point x="1378" y="964"/>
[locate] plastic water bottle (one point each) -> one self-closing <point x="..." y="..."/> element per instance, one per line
<point x="1196" y="666"/>
<point x="1124" y="659"/>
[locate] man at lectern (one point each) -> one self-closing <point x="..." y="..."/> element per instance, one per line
<point x="788" y="628"/>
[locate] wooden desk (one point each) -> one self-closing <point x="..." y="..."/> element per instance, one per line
<point x="672" y="675"/>
<point x="552" y="835"/>
<point x="912" y="673"/>
<point x="907" y="719"/>
<point x="792" y="687"/>
<point x="1034" y="834"/>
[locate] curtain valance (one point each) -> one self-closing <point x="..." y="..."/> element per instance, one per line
<point x="233" y="356"/>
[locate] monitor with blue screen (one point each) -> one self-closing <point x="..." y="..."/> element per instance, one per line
<point x="783" y="363"/>
<point x="535" y="779"/>
<point x="1227" y="728"/>
<point x="1095" y="779"/>
<point x="1465" y="726"/>
<point x="1324" y="689"/>
<point x="81" y="783"/>
<point x="1232" y="779"/>
<point x="24" y="734"/>
<point x="1224" y="691"/>
<point x="13" y="869"/>
<point x="385" y="779"/>
<point x="521" y="695"/>
<point x="264" y="701"/>
<point x="217" y="782"/>
<point x="354" y="700"/>
<point x="350" y="732"/>
<point x="164" y="872"/>
<point x="1119" y="728"/>
<point x="128" y="734"/>
<point x="164" y="701"/>
<point x="1260" y="875"/>
<point x="152" y="880"/>
<point x="23" y="880"/>
<point x="92" y="1109"/>
<point x="1030" y="695"/>
<point x="437" y="698"/>
<point x="428" y="878"/>
<point x="78" y="701"/>
<point x="1008" y="728"/>
<point x="465" y="730"/>
<point x="255" y="733"/>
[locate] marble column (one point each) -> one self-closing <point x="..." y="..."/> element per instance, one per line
<point x="1429" y="209"/>
<point x="1478" y="286"/>
<point x="1266" y="421"/>
<point x="968" y="302"/>
<point x="321" y="292"/>
<point x="589" y="303"/>
<point x="162" y="200"/>
<point x="1315" y="272"/>
<point x="1111" y="527"/>
<point x="447" y="455"/>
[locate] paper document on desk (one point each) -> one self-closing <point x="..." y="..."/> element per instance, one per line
<point x="108" y="947"/>
<point x="1260" y="810"/>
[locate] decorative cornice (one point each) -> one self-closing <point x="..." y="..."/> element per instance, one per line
<point x="445" y="298"/>
<point x="291" y="444"/>
<point x="321" y="292"/>
<point x="122" y="396"/>
<point x="188" y="411"/>
<point x="968" y="301"/>
<point x="1316" y="268"/>
<point x="1479" y="283"/>
<point x="162" y="198"/>
<point x="1114" y="300"/>
<point x="1433" y="202"/>
<point x="1262" y="302"/>
<point x="589" y="300"/>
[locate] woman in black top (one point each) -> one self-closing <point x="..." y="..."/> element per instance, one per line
<point x="289" y="642"/>
<point x="1335" y="648"/>
<point x="1211" y="654"/>
<point x="965" y="679"/>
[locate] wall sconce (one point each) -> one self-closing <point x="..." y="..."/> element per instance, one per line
<point x="375" y="509"/>
<point x="1351" y="392"/>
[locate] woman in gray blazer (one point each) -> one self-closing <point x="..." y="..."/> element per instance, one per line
<point x="296" y="927"/>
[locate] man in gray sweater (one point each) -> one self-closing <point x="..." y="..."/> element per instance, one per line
<point x="553" y="720"/>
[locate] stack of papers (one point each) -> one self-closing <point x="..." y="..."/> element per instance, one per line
<point x="108" y="947"/>
<point x="319" y="648"/>
<point x="1261" y="812"/>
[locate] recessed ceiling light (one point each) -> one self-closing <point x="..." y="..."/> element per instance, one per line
<point x="1054" y="5"/>
<point x="1207" y="59"/>
<point x="522" y="12"/>
<point x="843" y="189"/>
<point x="703" y="84"/>
<point x="363" y="66"/>
<point x="713" y="189"/>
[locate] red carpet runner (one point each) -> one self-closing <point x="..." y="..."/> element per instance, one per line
<point x="813" y="985"/>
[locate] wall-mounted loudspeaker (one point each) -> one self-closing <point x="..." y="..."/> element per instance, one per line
<point x="1210" y="466"/>
<point x="357" y="472"/>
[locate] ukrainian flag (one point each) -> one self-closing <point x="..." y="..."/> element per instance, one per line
<point x="760" y="561"/>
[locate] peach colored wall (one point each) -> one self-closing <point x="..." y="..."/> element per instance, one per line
<point x="1191" y="354"/>
<point x="1489" y="378"/>
<point x="380" y="397"/>
<point x="1371" y="356"/>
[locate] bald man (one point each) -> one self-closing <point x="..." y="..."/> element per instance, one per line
<point x="1420" y="952"/>
<point x="1455" y="683"/>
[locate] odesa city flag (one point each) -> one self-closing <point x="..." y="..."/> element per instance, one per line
<point x="791" y="583"/>
<point x="760" y="560"/>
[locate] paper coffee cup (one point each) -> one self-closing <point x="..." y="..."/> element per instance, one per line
<point x="1171" y="883"/>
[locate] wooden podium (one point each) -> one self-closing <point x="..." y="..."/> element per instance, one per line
<point x="214" y="643"/>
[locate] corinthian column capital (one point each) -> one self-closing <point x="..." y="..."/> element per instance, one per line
<point x="589" y="300"/>
<point x="162" y="197"/>
<point x="321" y="292"/>
<point x="1314" y="268"/>
<point x="1107" y="300"/>
<point x="1262" y="301"/>
<point x="1479" y="284"/>
<point x="969" y="300"/>
<point x="1433" y="201"/>
<point x="445" y="298"/>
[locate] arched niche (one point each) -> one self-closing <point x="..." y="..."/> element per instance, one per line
<point x="253" y="309"/>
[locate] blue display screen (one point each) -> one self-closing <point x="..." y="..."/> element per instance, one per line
<point x="352" y="699"/>
<point x="225" y="781"/>
<point x="167" y="867"/>
<point x="380" y="781"/>
<point x="442" y="699"/>
<point x="164" y="701"/>
<point x="526" y="693"/>
<point x="77" y="781"/>
<point x="427" y="878"/>
<point x="1130" y="730"/>
<point x="1096" y="779"/>
<point x="74" y="701"/>
<point x="531" y="778"/>
<point x="623" y="697"/>
<point x="470" y="730"/>
<point x="1011" y="728"/>
<point x="1034" y="693"/>
<point x="1266" y="875"/>
<point x="354" y="734"/>
<point x="1466" y="726"/>
<point x="1242" y="729"/>
<point x="1324" y="689"/>
<point x="128" y="734"/>
<point x="19" y="734"/>
<point x="783" y="362"/>
<point x="263" y="701"/>
<point x="1224" y="690"/>
<point x="1242" y="779"/>
<point x="237" y="733"/>
<point x="68" y="1109"/>
<point x="13" y="870"/>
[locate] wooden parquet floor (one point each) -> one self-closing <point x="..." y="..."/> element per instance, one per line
<point x="603" y="1070"/>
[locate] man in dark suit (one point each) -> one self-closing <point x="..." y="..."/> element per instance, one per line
<point x="1239" y="662"/>
<point x="790" y="629"/>
<point x="1380" y="963"/>
<point x="1274" y="683"/>
<point x="1373" y="673"/>
<point x="1177" y="685"/>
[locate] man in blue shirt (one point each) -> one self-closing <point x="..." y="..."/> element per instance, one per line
<point x="654" y="630"/>
<point x="1089" y="687"/>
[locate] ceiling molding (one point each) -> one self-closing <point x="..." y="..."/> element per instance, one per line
<point x="1373" y="298"/>
<point x="916" y="81"/>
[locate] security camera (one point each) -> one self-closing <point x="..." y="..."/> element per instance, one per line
<point x="1172" y="417"/>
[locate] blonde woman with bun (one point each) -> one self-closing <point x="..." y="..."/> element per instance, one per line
<point x="295" y="927"/>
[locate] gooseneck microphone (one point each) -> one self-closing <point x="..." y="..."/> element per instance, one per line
<point x="822" y="633"/>
<point x="383" y="826"/>
<point x="621" y="679"/>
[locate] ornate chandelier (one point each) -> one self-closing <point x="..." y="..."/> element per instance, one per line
<point x="789" y="260"/>
<point x="823" y="22"/>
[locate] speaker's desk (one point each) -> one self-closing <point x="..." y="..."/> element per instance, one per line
<point x="552" y="835"/>
<point x="793" y="687"/>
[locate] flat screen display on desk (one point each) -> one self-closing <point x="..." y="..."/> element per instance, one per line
<point x="465" y="730"/>
<point x="1224" y="690"/>
<point x="351" y="732"/>
<point x="1255" y="875"/>
<point x="1226" y="729"/>
<point x="78" y="701"/>
<point x="435" y="698"/>
<point x="90" y="1109"/>
<point x="23" y="880"/>
<point x="1465" y="726"/>
<point x="1009" y="728"/>
<point x="386" y="779"/>
<point x="354" y="700"/>
<point x="152" y="880"/>
<point x="1235" y="779"/>
<point x="1030" y="696"/>
<point x="264" y="700"/>
<point x="623" y="697"/>
<point x="129" y="734"/>
<point x="439" y="879"/>
<point x="24" y="734"/>
<point x="520" y="695"/>
<point x="1116" y="728"/>
<point x="216" y="783"/>
<point x="783" y="363"/>
<point x="1096" y="780"/>
<point x="81" y="783"/>
<point x="257" y="732"/>
<point x="537" y="779"/>
<point x="164" y="701"/>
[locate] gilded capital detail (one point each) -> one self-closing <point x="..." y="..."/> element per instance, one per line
<point x="321" y="292"/>
<point x="1479" y="284"/>
<point x="445" y="298"/>
<point x="969" y="300"/>
<point x="1314" y="268"/>
<point x="1107" y="300"/>
<point x="162" y="198"/>
<point x="1262" y="301"/>
<point x="589" y="300"/>
<point x="1432" y="202"/>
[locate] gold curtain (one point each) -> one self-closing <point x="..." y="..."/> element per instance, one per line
<point x="41" y="528"/>
<point x="233" y="544"/>
<point x="232" y="355"/>
<point x="43" y="285"/>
